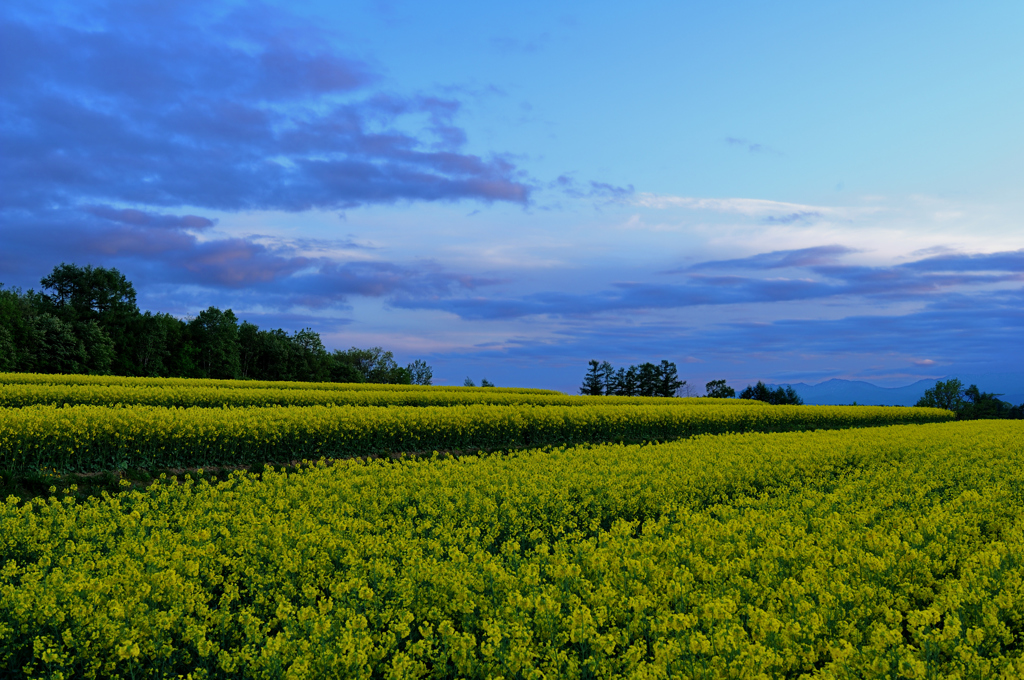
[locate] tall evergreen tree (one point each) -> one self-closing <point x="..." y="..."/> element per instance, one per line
<point x="668" y="379"/>
<point x="609" y="386"/>
<point x="648" y="380"/>
<point x="593" y="382"/>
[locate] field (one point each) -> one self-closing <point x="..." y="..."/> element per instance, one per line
<point x="753" y="542"/>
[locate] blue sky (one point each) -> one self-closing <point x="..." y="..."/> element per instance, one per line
<point x="755" y="191"/>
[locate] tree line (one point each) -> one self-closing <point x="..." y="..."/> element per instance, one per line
<point x="645" y="380"/>
<point x="969" y="403"/>
<point x="86" y="320"/>
<point x="662" y="380"/>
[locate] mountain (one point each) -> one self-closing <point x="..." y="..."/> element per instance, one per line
<point x="836" y="391"/>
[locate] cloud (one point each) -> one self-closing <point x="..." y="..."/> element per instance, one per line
<point x="751" y="207"/>
<point x="253" y="109"/>
<point x="752" y="147"/>
<point x="599" y="190"/>
<point x="779" y="259"/>
<point x="731" y="282"/>
<point x="807" y="216"/>
<point x="272" y="273"/>
<point x="142" y="218"/>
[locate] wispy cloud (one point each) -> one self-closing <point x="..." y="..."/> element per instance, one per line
<point x="752" y="147"/>
<point x="752" y="207"/>
<point x="821" y="276"/>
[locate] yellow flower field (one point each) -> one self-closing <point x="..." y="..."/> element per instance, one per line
<point x="198" y="393"/>
<point x="888" y="552"/>
<point x="95" y="438"/>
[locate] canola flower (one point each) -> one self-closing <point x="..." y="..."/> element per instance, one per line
<point x="891" y="552"/>
<point x="94" y="438"/>
<point x="197" y="394"/>
<point x="77" y="379"/>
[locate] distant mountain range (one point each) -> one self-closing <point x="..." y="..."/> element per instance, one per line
<point x="835" y="391"/>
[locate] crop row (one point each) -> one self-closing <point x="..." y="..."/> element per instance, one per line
<point x="875" y="553"/>
<point x="92" y="438"/>
<point x="191" y="395"/>
<point x="61" y="379"/>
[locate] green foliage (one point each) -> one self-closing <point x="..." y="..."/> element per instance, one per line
<point x="373" y="365"/>
<point x="948" y="395"/>
<point x="593" y="382"/>
<point x="87" y="321"/>
<point x="779" y="396"/>
<point x="420" y="373"/>
<point x="646" y="380"/>
<point x="717" y="389"/>
<point x="970" y="403"/>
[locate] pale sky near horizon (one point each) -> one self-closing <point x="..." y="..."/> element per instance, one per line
<point x="756" y="191"/>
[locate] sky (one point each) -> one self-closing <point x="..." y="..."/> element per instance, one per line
<point x="787" y="192"/>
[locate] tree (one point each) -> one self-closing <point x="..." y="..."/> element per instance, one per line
<point x="948" y="395"/>
<point x="308" y="357"/>
<point x="153" y="344"/>
<point x="468" y="382"/>
<point x="648" y="380"/>
<point x="214" y="334"/>
<point x="717" y="389"/>
<point x="593" y="382"/>
<point x="486" y="383"/>
<point x="778" y="396"/>
<point x="420" y="372"/>
<point x="374" y="365"/>
<point x="608" y="379"/>
<point x="88" y="293"/>
<point x="629" y="382"/>
<point x="758" y="392"/>
<point x="668" y="379"/>
<point x="57" y="349"/>
<point x="983" y="405"/>
<point x="78" y="295"/>
<point x="19" y="332"/>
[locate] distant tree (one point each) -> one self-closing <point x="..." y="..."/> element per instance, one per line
<point x="150" y="345"/>
<point x="374" y="365"/>
<point x="89" y="293"/>
<point x="342" y="370"/>
<point x="78" y="295"/>
<point x="593" y="382"/>
<point x="420" y="372"/>
<point x="648" y="380"/>
<point x="629" y="383"/>
<point x="609" y="385"/>
<point x="717" y="389"/>
<point x="779" y="396"/>
<point x="214" y="334"/>
<point x="948" y="395"/>
<point x="58" y="350"/>
<point x="308" y="358"/>
<point x="758" y="392"/>
<point x="468" y="382"/>
<point x="19" y="331"/>
<point x="669" y="383"/>
<point x="486" y="383"/>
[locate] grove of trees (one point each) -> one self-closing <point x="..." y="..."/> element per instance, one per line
<point x="86" y="320"/>
<point x="645" y="380"/>
<point x="779" y="395"/>
<point x="968" y="403"/>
